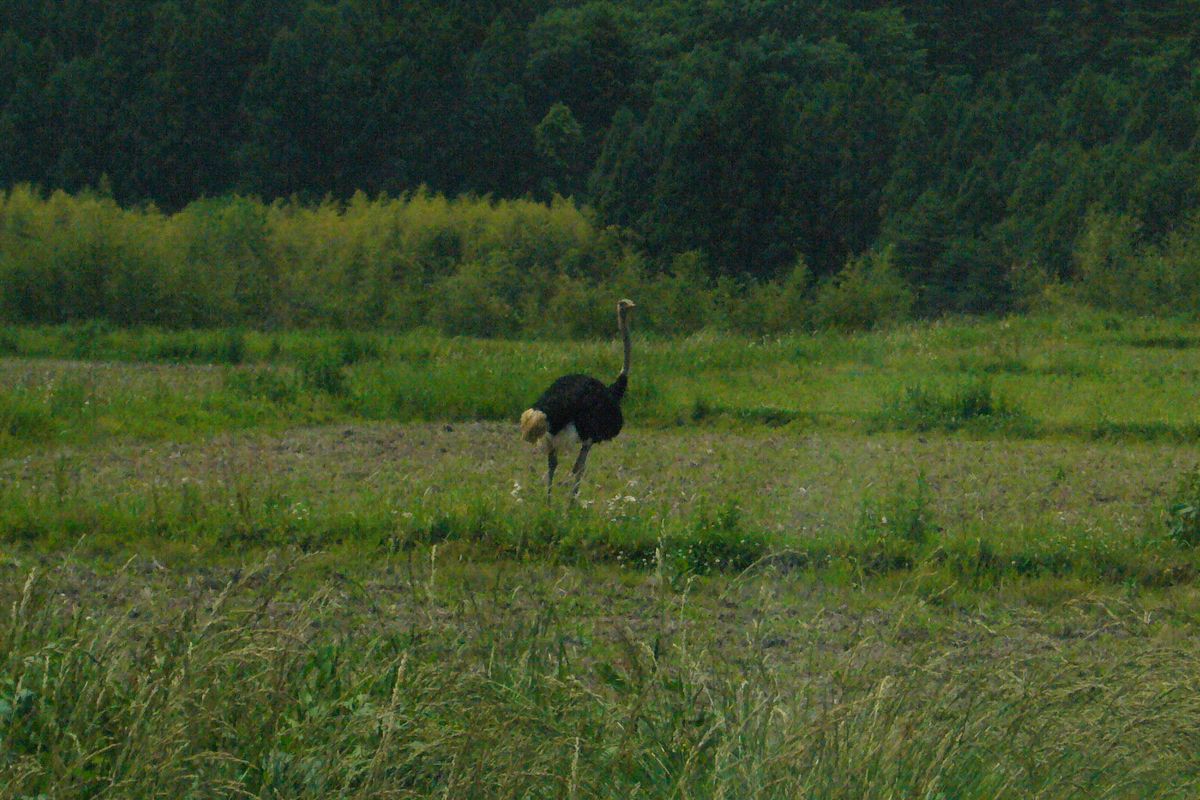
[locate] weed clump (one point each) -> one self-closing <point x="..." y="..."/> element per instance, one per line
<point x="973" y="405"/>
<point x="231" y="348"/>
<point x="89" y="339"/>
<point x="893" y="534"/>
<point x="225" y="347"/>
<point x="356" y="347"/>
<point x="24" y="418"/>
<point x="10" y="343"/>
<point x="323" y="372"/>
<point x="1183" y="515"/>
<point x="717" y="539"/>
<point x="262" y="384"/>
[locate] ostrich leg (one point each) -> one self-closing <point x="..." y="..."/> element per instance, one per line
<point x="551" y="463"/>
<point x="577" y="470"/>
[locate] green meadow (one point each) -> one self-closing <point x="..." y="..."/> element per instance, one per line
<point x="945" y="560"/>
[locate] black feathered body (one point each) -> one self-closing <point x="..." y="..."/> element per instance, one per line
<point x="581" y="400"/>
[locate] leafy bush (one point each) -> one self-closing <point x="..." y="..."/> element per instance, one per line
<point x="232" y="348"/>
<point x="89" y="339"/>
<point x="680" y="301"/>
<point x="577" y="310"/>
<point x="10" y="343"/>
<point x="227" y="347"/>
<point x="179" y="347"/>
<point x="1106" y="262"/>
<point x="784" y="306"/>
<point x="472" y="302"/>
<point x="867" y="293"/>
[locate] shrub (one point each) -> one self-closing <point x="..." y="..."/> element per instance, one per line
<point x="785" y="305"/>
<point x="678" y="302"/>
<point x="1115" y="269"/>
<point x="228" y="347"/>
<point x="1173" y="268"/>
<point x="471" y="302"/>
<point x="867" y="293"/>
<point x="1106" y="262"/>
<point x="578" y="310"/>
<point x="467" y="266"/>
<point x="232" y="348"/>
<point x="89" y="339"/>
<point x="176" y="347"/>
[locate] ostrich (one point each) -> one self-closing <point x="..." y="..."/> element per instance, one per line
<point x="578" y="409"/>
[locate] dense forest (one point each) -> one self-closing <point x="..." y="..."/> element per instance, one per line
<point x="982" y="146"/>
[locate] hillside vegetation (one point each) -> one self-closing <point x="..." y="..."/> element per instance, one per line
<point x="989" y="145"/>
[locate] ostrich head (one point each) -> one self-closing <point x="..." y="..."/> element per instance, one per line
<point x="623" y="308"/>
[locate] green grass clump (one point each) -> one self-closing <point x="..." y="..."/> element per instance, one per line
<point x="24" y="418"/>
<point x="10" y="342"/>
<point x="263" y="384"/>
<point x="896" y="533"/>
<point x="355" y="347"/>
<point x="972" y="405"/>
<point x="323" y="372"/>
<point x="224" y="347"/>
<point x="1183" y="514"/>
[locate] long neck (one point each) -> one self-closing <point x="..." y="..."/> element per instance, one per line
<point x="618" y="387"/>
<point x="623" y="324"/>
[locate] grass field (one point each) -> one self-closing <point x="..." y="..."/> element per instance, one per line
<point x="946" y="561"/>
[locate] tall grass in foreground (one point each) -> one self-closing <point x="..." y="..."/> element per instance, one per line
<point x="242" y="689"/>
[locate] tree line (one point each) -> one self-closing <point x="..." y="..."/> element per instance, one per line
<point x="980" y="146"/>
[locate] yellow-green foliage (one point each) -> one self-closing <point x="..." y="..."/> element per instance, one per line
<point x="868" y="292"/>
<point x="466" y="266"/>
<point x="83" y="257"/>
<point x="1116" y="270"/>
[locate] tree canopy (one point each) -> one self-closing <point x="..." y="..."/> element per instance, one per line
<point x="971" y="140"/>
